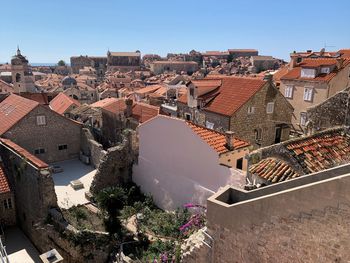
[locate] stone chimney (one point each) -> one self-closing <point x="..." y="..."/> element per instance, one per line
<point x="229" y="140"/>
<point x="293" y="60"/>
<point x="128" y="103"/>
<point x="340" y="63"/>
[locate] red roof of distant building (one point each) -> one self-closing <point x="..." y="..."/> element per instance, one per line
<point x="4" y="184"/>
<point x="295" y="73"/>
<point x="24" y="153"/>
<point x="62" y="102"/>
<point x="13" y="109"/>
<point x="215" y="139"/>
<point x="233" y="94"/>
<point x="143" y="112"/>
<point x="41" y="98"/>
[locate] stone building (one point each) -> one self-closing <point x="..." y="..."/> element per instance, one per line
<point x="63" y="104"/>
<point x="235" y="53"/>
<point x="7" y="200"/>
<point x="334" y="111"/>
<point x="262" y="63"/>
<point x="159" y="67"/>
<point x="22" y="76"/>
<point x="123" y="61"/>
<point x="251" y="107"/>
<point x="43" y="132"/>
<point x="98" y="63"/>
<point x="311" y="80"/>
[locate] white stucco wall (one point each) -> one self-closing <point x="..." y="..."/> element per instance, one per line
<point x="176" y="166"/>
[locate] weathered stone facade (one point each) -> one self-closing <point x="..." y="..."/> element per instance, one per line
<point x="98" y="63"/>
<point x="57" y="131"/>
<point x="332" y="112"/>
<point x="7" y="214"/>
<point x="160" y="67"/>
<point x="123" y="61"/>
<point x="245" y="124"/>
<point x="116" y="166"/>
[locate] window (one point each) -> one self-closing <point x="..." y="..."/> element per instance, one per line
<point x="308" y="73"/>
<point x="209" y="125"/>
<point x="251" y="110"/>
<point x="308" y="94"/>
<point x="269" y="107"/>
<point x="188" y="116"/>
<point x="39" y="151"/>
<point x="303" y="118"/>
<point x="239" y="163"/>
<point x="8" y="203"/>
<point x="18" y="77"/>
<point x="258" y="134"/>
<point x="40" y="120"/>
<point x="62" y="147"/>
<point x="288" y="92"/>
<point x="325" y="70"/>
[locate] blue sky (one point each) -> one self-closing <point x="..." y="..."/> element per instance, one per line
<point x="49" y="30"/>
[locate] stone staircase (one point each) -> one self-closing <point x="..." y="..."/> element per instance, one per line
<point x="197" y="248"/>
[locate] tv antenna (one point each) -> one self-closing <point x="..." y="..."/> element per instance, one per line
<point x="325" y="45"/>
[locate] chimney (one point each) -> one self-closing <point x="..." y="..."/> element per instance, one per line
<point x="128" y="103"/>
<point x="229" y="140"/>
<point x="293" y="60"/>
<point x="340" y="63"/>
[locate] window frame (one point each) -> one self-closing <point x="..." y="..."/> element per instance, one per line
<point x="209" y="125"/>
<point x="188" y="114"/>
<point x="62" y="147"/>
<point x="269" y="105"/>
<point x="288" y="91"/>
<point x="41" y="120"/>
<point x="308" y="96"/>
<point x="39" y="151"/>
<point x="303" y="119"/>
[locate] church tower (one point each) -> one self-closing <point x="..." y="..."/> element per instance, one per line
<point x="22" y="76"/>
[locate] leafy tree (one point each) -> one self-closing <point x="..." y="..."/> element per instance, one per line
<point x="230" y="58"/>
<point x="61" y="63"/>
<point x="111" y="200"/>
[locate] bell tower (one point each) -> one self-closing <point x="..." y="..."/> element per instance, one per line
<point x="22" y="76"/>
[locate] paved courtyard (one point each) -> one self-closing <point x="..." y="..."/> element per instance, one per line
<point x="19" y="248"/>
<point x="72" y="170"/>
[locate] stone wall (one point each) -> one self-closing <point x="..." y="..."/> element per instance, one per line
<point x="303" y="224"/>
<point x="330" y="113"/>
<point x="58" y="130"/>
<point x="91" y="148"/>
<point x="33" y="189"/>
<point x="116" y="165"/>
<point x="7" y="215"/>
<point x="244" y="124"/>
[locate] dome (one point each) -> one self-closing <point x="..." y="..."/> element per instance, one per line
<point x="68" y="81"/>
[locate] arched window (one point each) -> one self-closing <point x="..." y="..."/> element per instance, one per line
<point x="18" y="77"/>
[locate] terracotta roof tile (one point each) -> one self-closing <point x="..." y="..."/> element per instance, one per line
<point x="62" y="102"/>
<point x="295" y="73"/>
<point x="233" y="94"/>
<point x="24" y="153"/>
<point x="273" y="170"/>
<point x="215" y="139"/>
<point x="4" y="184"/>
<point x="13" y="109"/>
<point x="143" y="112"/>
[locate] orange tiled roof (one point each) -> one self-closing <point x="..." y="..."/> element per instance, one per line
<point x="13" y="109"/>
<point x="24" y="153"/>
<point x="295" y="73"/>
<point x="273" y="170"/>
<point x="345" y="53"/>
<point x="215" y="139"/>
<point x="143" y="112"/>
<point x="4" y="184"/>
<point x="321" y="152"/>
<point x="280" y="73"/>
<point x="233" y="94"/>
<point x="149" y="89"/>
<point x="62" y="102"/>
<point x="42" y="98"/>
